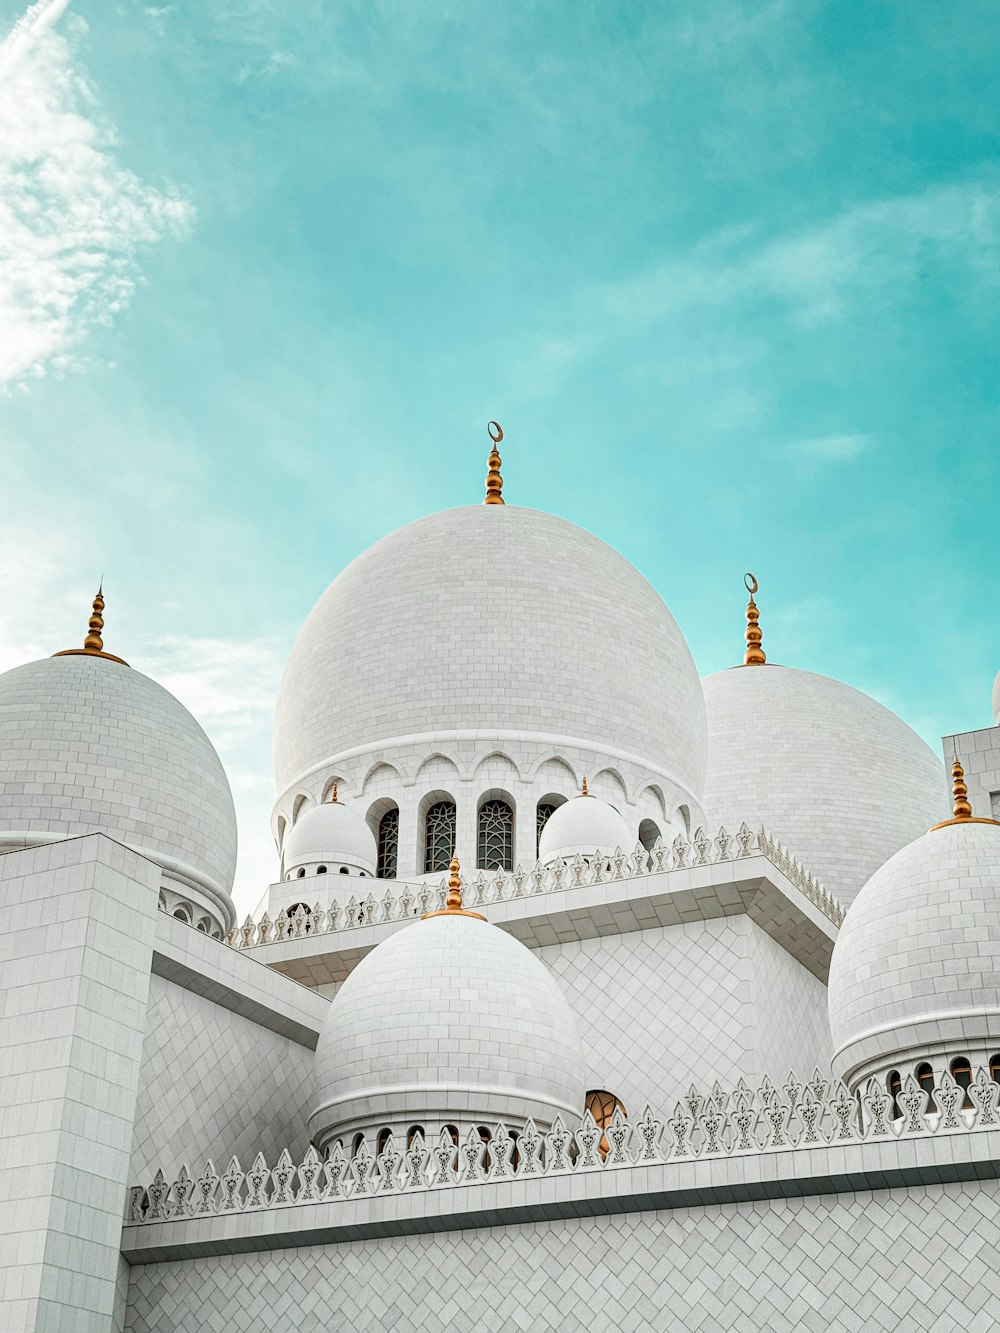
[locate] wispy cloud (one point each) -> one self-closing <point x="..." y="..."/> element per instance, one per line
<point x="73" y="219"/>
<point x="808" y="277"/>
<point x="831" y="448"/>
<point x="230" y="686"/>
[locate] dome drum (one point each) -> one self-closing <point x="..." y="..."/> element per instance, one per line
<point x="935" y="1041"/>
<point x="457" y="1109"/>
<point x="528" y="772"/>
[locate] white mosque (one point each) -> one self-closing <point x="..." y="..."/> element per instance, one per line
<point x="588" y="994"/>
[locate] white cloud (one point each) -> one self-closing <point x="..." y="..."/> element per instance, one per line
<point x="73" y="219"/>
<point x="870" y="252"/>
<point x="832" y="448"/>
<point x="230" y="687"/>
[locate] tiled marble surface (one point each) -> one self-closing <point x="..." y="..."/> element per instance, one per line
<point x="917" y="1258"/>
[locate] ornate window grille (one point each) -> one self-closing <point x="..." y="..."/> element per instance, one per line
<point x="542" y="816"/>
<point x="388" y="844"/>
<point x="496" y="836"/>
<point x="602" y="1106"/>
<point x="439" y="837"/>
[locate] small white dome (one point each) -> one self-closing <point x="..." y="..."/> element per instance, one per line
<point x="916" y="967"/>
<point x="835" y="776"/>
<point x="91" y="745"/>
<point x="334" y="833"/>
<point x="449" y="1021"/>
<point x="586" y="825"/>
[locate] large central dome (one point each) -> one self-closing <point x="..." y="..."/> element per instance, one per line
<point x="491" y="619"/>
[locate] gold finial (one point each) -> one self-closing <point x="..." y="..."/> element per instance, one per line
<point x="453" y="902"/>
<point x="754" y="655"/>
<point x="961" y="812"/>
<point x="93" y="644"/>
<point x="583" y="789"/>
<point x="494" y="481"/>
<point x="962" y="808"/>
<point x="333" y="794"/>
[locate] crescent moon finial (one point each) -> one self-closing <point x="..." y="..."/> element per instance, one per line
<point x="754" y="655"/>
<point x="494" y="481"/>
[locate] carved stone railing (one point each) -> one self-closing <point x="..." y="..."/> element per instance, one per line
<point x="401" y="901"/>
<point x="741" y="1123"/>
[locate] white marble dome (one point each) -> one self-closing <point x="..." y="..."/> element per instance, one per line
<point x="836" y="777"/>
<point x="584" y="825"/>
<point x="90" y="745"/>
<point x="484" y="621"/>
<point x="449" y="1021"/>
<point x="333" y="835"/>
<point x="916" y="968"/>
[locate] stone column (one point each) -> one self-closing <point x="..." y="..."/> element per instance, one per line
<point x="77" y="923"/>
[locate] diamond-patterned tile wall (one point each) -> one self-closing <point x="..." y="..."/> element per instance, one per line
<point x="920" y="1258"/>
<point x="215" y="1083"/>
<point x="661" y="1009"/>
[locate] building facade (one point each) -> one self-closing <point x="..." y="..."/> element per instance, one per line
<point x="587" y="993"/>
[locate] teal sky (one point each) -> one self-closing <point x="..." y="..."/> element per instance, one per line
<point x="728" y="274"/>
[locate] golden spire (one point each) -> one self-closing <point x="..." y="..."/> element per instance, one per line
<point x="93" y="644"/>
<point x="961" y="812"/>
<point x="333" y="793"/>
<point x="962" y="809"/>
<point x="754" y="655"/>
<point x="583" y="789"/>
<point x="494" y="481"/>
<point x="453" y="902"/>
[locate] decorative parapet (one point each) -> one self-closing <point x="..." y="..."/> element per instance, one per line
<point x="741" y="1123"/>
<point x="412" y="900"/>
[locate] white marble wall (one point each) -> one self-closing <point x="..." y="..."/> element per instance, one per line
<point x="77" y="924"/>
<point x="663" y="1008"/>
<point x="909" y="1259"/>
<point x="215" y="1083"/>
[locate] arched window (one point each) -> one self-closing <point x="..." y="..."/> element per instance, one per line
<point x="894" y="1085"/>
<point x="925" y="1077"/>
<point x="543" y="813"/>
<point x="649" y="831"/>
<point x="307" y="912"/>
<point x="356" y="1146"/>
<point x="961" y="1072"/>
<point x="496" y="836"/>
<point x="383" y="1139"/>
<point x="321" y="870"/>
<point x="439" y="837"/>
<point x="602" y="1106"/>
<point x="995" y="1067"/>
<point x="412" y="1133"/>
<point x="302" y="872"/>
<point x="344" y="870"/>
<point x="182" y="915"/>
<point x="388" y="844"/>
